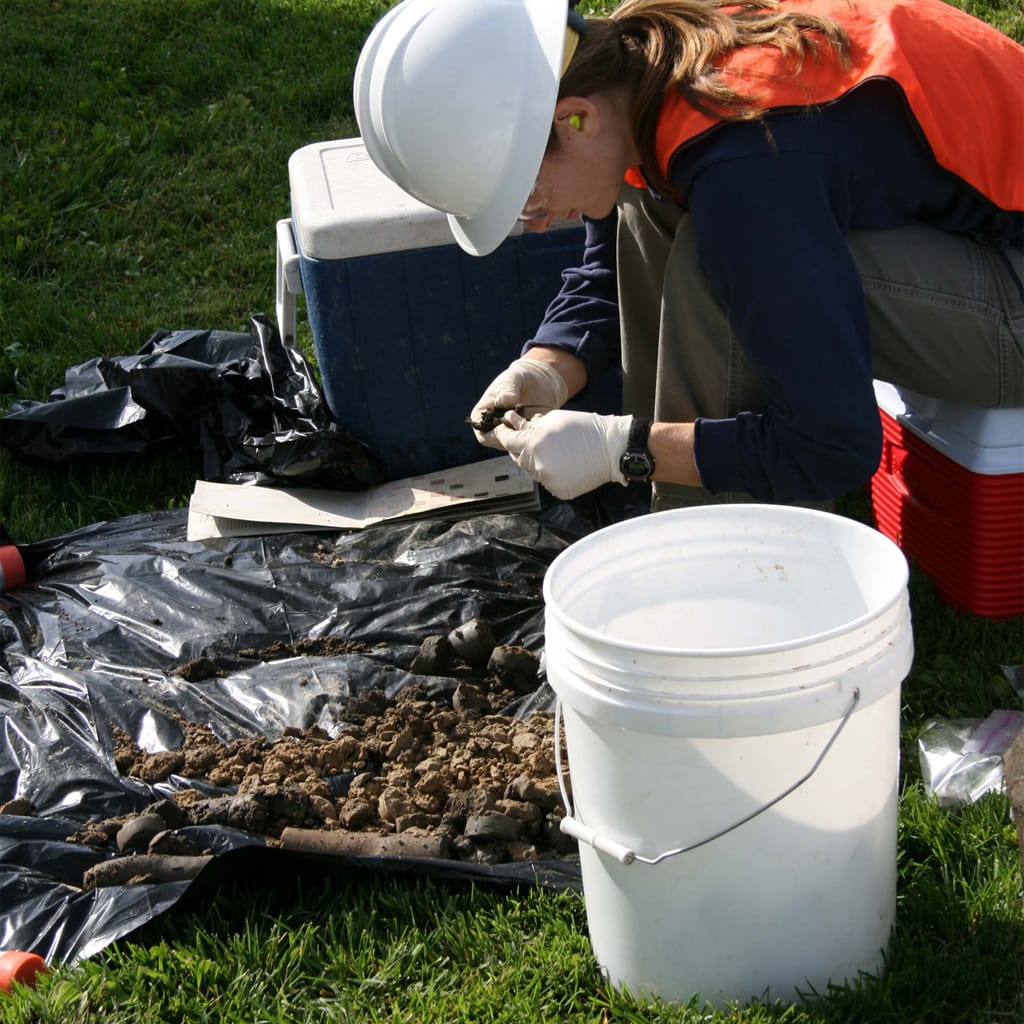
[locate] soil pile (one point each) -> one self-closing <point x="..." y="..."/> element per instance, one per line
<point x="417" y="774"/>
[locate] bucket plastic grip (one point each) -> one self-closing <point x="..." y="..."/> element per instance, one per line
<point x="625" y="855"/>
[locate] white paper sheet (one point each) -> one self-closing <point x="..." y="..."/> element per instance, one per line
<point x="244" y="510"/>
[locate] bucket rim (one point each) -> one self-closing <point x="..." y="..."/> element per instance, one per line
<point x="897" y="592"/>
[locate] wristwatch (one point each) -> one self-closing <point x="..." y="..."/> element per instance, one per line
<point x="637" y="462"/>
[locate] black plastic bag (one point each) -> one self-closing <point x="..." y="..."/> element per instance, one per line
<point x="248" y="402"/>
<point x="96" y="638"/>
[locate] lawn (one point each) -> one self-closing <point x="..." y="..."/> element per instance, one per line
<point x="143" y="169"/>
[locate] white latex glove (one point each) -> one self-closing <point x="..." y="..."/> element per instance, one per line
<point x="570" y="453"/>
<point x="537" y="386"/>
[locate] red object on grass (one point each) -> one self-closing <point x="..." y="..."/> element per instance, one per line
<point x="12" y="567"/>
<point x="18" y="966"/>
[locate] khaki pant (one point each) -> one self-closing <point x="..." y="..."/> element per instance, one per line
<point x="946" y="317"/>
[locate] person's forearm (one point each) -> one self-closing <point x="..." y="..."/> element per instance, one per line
<point x="671" y="444"/>
<point x="572" y="368"/>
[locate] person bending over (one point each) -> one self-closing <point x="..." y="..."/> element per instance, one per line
<point x="782" y="200"/>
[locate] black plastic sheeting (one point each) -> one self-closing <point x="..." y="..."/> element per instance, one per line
<point x="113" y="611"/>
<point x="248" y="402"/>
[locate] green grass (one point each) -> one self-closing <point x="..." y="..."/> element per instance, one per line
<point x="143" y="167"/>
<point x="376" y="950"/>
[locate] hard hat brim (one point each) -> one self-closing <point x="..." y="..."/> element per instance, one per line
<point x="413" y="101"/>
<point x="368" y="120"/>
<point x="484" y="232"/>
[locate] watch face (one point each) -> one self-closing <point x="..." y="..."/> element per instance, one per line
<point x="636" y="465"/>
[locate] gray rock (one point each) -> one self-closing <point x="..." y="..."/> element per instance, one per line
<point x="434" y="657"/>
<point x="137" y="833"/>
<point x="514" y="667"/>
<point x="170" y="812"/>
<point x="468" y="697"/>
<point x="492" y="827"/>
<point x="173" y="844"/>
<point x="473" y="641"/>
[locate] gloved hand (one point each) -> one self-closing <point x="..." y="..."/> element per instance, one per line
<point x="570" y="453"/>
<point x="527" y="382"/>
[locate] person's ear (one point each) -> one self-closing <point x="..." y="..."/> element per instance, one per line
<point x="577" y="115"/>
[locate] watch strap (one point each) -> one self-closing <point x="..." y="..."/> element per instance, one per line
<point x="637" y="463"/>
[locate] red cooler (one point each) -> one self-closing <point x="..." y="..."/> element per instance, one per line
<point x="950" y="492"/>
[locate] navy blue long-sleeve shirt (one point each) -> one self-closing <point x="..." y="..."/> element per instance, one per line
<point x="771" y="216"/>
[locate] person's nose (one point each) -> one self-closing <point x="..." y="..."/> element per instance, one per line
<point x="539" y="224"/>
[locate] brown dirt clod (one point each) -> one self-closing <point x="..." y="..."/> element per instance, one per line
<point x="413" y="771"/>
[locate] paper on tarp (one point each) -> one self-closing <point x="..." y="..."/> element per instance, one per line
<point x="235" y="510"/>
<point x="248" y="402"/>
<point x="95" y="639"/>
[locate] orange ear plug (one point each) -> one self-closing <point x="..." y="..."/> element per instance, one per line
<point x="18" y="966"/>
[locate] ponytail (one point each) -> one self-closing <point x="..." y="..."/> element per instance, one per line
<point x="653" y="46"/>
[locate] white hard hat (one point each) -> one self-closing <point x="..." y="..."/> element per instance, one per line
<point x="455" y="100"/>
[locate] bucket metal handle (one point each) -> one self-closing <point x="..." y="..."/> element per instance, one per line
<point x="572" y="826"/>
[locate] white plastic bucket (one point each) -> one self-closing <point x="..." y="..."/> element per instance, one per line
<point x="729" y="678"/>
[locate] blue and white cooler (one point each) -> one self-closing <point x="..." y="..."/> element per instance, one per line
<point x="408" y="330"/>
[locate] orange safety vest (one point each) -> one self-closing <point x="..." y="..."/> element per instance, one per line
<point x="962" y="79"/>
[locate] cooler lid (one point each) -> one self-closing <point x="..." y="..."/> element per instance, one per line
<point x="344" y="207"/>
<point x="984" y="440"/>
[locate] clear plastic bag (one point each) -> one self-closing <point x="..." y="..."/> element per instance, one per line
<point x="962" y="759"/>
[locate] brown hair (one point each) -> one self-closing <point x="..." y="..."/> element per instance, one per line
<point x="653" y="46"/>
